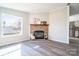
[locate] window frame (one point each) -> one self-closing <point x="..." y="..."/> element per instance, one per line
<point x="4" y="36"/>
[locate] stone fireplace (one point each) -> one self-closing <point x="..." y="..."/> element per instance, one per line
<point x="39" y="31"/>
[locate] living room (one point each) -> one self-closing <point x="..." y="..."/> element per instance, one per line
<point x="38" y="27"/>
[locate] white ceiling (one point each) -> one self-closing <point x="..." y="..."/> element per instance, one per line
<point x="33" y="7"/>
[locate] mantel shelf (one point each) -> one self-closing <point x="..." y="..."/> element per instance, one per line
<point x="39" y="24"/>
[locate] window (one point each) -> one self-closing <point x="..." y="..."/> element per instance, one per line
<point x="10" y="25"/>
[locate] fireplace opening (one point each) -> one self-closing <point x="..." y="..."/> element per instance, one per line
<point x="39" y="34"/>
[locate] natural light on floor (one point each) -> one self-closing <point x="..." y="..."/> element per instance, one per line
<point x="11" y="51"/>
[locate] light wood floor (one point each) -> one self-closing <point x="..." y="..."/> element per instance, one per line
<point x="44" y="48"/>
<point x="39" y="47"/>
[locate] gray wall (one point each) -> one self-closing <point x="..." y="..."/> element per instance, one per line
<point x="74" y="9"/>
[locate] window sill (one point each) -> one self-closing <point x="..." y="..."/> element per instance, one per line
<point x="8" y="36"/>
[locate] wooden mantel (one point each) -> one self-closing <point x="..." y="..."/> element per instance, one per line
<point x="39" y="24"/>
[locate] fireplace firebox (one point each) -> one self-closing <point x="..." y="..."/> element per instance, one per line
<point x="39" y="34"/>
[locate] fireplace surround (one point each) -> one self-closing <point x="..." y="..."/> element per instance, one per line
<point x="39" y="31"/>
